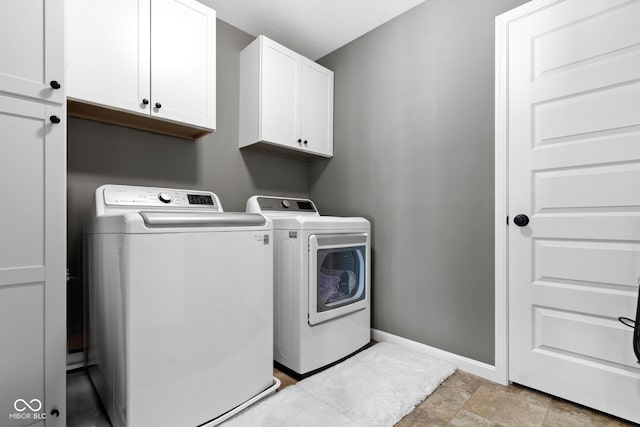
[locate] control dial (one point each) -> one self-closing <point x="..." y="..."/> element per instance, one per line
<point x="286" y="204"/>
<point x="165" y="197"/>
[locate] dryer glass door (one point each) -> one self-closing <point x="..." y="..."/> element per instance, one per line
<point x="338" y="275"/>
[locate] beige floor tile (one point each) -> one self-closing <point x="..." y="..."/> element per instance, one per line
<point x="566" y="419"/>
<point x="568" y="408"/>
<point x="465" y="381"/>
<point x="530" y="395"/>
<point x="469" y="419"/>
<point x="506" y="408"/>
<point x="598" y="419"/>
<point x="445" y="402"/>
<point x="420" y="418"/>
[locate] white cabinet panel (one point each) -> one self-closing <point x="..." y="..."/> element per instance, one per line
<point x="183" y="62"/>
<point x="28" y="65"/>
<point x="286" y="101"/>
<point x="108" y="53"/>
<point x="21" y="367"/>
<point x="279" y="82"/>
<point x="22" y="163"/>
<point x="316" y="108"/>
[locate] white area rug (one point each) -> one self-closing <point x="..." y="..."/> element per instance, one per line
<point x="376" y="387"/>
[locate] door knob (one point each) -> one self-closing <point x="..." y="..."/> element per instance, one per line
<point x="145" y="101"/>
<point x="54" y="84"/>
<point x="158" y="105"/>
<point x="521" y="220"/>
<point x="54" y="119"/>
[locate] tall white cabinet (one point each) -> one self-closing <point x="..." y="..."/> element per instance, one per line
<point x="286" y="101"/>
<point x="154" y="60"/>
<point x="33" y="214"/>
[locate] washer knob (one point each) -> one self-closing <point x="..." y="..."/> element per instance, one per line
<point x="165" y="197"/>
<point x="286" y="204"/>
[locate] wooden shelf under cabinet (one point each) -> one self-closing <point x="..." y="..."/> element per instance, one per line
<point x="116" y="117"/>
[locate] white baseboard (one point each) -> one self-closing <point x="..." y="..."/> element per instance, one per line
<point x="474" y="367"/>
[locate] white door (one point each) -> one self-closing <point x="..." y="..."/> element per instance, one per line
<point x="574" y="170"/>
<point x="279" y="102"/>
<point x="316" y="108"/>
<point x="108" y="57"/>
<point x="29" y="66"/>
<point x="32" y="260"/>
<point x="183" y="62"/>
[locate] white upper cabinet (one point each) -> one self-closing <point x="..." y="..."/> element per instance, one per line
<point x="286" y="101"/>
<point x="28" y="66"/>
<point x="153" y="58"/>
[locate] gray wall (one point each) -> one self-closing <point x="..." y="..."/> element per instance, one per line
<point x="414" y="152"/>
<point x="99" y="153"/>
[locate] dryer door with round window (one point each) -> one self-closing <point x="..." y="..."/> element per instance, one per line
<point x="338" y="275"/>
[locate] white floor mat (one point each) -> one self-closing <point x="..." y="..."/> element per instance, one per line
<point x="376" y="387"/>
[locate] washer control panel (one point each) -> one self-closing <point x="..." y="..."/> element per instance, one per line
<point x="130" y="196"/>
<point x="286" y="205"/>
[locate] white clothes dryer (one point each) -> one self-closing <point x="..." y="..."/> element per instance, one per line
<point x="321" y="283"/>
<point x="180" y="306"/>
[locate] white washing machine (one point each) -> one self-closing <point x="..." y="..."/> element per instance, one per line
<point x="321" y="283"/>
<point x="180" y="306"/>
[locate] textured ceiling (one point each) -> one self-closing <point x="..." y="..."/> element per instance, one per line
<point x="312" y="28"/>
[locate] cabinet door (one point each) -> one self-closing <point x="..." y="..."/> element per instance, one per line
<point x="32" y="262"/>
<point x="183" y="52"/>
<point x="27" y="64"/>
<point x="279" y="86"/>
<point x="107" y="45"/>
<point x="316" y="108"/>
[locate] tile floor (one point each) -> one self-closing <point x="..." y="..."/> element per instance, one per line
<point x="462" y="400"/>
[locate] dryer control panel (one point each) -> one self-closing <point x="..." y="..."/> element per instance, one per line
<point x="284" y="204"/>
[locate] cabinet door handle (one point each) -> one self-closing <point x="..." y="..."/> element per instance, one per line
<point x="55" y="412"/>
<point x="299" y="141"/>
<point x="54" y="84"/>
<point x="158" y="105"/>
<point x="145" y="101"/>
<point x="54" y="119"/>
<point x="305" y="142"/>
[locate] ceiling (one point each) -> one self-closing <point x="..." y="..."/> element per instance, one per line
<point x="312" y="28"/>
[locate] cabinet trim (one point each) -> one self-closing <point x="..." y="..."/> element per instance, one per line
<point x="84" y="110"/>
